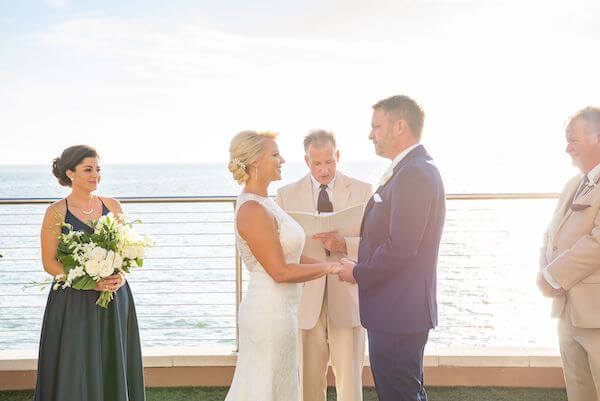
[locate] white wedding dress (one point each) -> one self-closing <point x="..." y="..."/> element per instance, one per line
<point x="267" y="365"/>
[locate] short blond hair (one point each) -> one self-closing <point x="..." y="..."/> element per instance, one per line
<point x="246" y="148"/>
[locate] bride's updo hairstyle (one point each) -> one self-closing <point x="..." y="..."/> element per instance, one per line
<point x="246" y="148"/>
<point x="69" y="159"/>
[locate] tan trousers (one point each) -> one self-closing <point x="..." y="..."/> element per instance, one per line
<point x="345" y="347"/>
<point x="580" y="354"/>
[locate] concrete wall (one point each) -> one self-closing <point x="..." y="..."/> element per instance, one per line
<point x="189" y="366"/>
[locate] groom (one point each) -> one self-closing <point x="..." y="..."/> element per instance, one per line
<point x="398" y="252"/>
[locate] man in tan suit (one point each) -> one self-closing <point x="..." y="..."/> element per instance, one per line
<point x="570" y="261"/>
<point x="329" y="319"/>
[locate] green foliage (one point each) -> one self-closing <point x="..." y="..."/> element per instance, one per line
<point x="84" y="283"/>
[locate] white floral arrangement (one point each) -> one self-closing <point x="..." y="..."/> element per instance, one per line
<point x="113" y="247"/>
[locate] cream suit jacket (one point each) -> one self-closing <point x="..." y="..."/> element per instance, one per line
<point x="342" y="297"/>
<point x="571" y="251"/>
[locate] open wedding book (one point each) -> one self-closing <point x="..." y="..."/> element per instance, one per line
<point x="346" y="222"/>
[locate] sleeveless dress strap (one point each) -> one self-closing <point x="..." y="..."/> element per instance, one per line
<point x="245" y="197"/>
<point x="67" y="212"/>
<point x="267" y="203"/>
<point x="105" y="209"/>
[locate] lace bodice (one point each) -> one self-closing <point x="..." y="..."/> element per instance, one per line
<point x="291" y="234"/>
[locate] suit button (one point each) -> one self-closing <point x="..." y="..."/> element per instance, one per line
<point x="555" y="248"/>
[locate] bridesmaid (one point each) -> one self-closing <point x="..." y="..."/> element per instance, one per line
<point x="87" y="353"/>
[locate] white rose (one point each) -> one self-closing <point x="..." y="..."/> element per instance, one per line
<point x="106" y="269"/>
<point x="118" y="261"/>
<point x="130" y="252"/>
<point x="140" y="251"/>
<point x="98" y="254"/>
<point x="92" y="267"/>
<point x="110" y="258"/>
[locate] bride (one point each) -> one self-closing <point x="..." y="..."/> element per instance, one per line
<point x="270" y="243"/>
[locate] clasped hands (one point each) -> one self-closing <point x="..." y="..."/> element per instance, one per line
<point x="344" y="269"/>
<point x="335" y="242"/>
<point x="111" y="283"/>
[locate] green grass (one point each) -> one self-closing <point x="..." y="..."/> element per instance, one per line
<point x="435" y="394"/>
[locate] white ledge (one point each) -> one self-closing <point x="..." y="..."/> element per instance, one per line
<point x="435" y="356"/>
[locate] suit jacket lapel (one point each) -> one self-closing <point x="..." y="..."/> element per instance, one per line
<point x="567" y="208"/>
<point x="367" y="209"/>
<point x="306" y="188"/>
<point x="418" y="151"/>
<point x="341" y="192"/>
<point x="584" y="198"/>
<point x="585" y="193"/>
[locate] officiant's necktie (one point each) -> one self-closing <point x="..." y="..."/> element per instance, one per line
<point x="324" y="205"/>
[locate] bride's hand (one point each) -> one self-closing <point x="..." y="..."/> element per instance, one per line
<point x="334" y="268"/>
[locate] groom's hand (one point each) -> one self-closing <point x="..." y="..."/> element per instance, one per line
<point x="332" y="241"/>
<point x="346" y="273"/>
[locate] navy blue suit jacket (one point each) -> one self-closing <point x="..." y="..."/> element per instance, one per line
<point x="398" y="251"/>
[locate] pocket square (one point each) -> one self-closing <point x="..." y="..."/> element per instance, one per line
<point x="578" y="207"/>
<point x="377" y="198"/>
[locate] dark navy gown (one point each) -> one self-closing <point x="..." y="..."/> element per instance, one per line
<point x="88" y="353"/>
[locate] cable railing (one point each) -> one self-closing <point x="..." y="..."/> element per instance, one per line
<point x="192" y="283"/>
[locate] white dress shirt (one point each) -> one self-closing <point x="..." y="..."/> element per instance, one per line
<point x="317" y="188"/>
<point x="593" y="176"/>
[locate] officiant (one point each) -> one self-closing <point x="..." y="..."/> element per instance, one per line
<point x="329" y="320"/>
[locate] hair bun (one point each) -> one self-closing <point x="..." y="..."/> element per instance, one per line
<point x="246" y="148"/>
<point x="56" y="167"/>
<point x="238" y="170"/>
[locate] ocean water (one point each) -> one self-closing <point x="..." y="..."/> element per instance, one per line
<point x="185" y="294"/>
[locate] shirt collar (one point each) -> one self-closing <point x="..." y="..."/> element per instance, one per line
<point x="594" y="174"/>
<point x="402" y="155"/>
<point x="317" y="185"/>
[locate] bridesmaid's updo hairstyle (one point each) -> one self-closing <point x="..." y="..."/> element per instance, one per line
<point x="246" y="148"/>
<point x="68" y="160"/>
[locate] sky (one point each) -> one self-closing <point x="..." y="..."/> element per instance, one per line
<point x="172" y="81"/>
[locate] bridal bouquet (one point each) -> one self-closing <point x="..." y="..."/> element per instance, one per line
<point x="113" y="247"/>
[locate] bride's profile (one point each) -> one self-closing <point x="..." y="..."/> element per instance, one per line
<point x="270" y="243"/>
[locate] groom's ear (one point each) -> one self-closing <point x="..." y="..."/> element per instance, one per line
<point x="400" y="127"/>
